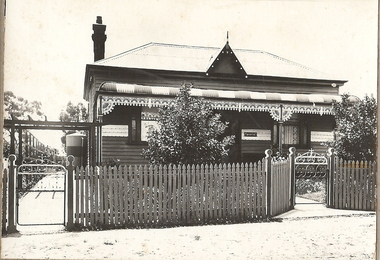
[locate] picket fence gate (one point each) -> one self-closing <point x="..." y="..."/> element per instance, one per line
<point x="282" y="187"/>
<point x="146" y="196"/>
<point x="353" y="184"/>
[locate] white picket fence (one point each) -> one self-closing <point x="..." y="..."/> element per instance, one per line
<point x="166" y="196"/>
<point x="354" y="185"/>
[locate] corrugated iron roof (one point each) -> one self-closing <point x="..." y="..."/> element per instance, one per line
<point x="160" y="56"/>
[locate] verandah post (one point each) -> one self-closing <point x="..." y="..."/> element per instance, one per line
<point x="70" y="195"/>
<point x="11" y="195"/>
<point x="268" y="171"/>
<point x="330" y="177"/>
<point x="292" y="159"/>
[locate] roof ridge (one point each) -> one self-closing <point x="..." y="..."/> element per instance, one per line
<point x="295" y="63"/>
<point x="148" y="45"/>
<point x="124" y="53"/>
<point x="183" y="45"/>
<point x="283" y="59"/>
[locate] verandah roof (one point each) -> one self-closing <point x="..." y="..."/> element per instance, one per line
<point x="280" y="105"/>
<point x="218" y="94"/>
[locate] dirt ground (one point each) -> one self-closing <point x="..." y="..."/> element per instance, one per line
<point x="299" y="235"/>
<point x="344" y="237"/>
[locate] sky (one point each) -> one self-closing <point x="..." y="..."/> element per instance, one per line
<point x="48" y="42"/>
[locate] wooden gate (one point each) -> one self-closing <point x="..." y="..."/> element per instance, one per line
<point x="311" y="173"/>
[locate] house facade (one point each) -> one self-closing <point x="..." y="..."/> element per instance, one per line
<point x="269" y="101"/>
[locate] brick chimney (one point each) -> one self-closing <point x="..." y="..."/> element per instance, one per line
<point x="99" y="38"/>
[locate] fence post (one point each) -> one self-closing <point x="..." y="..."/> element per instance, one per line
<point x="292" y="159"/>
<point x="5" y="207"/>
<point x="330" y="177"/>
<point x="70" y="195"/>
<point x="268" y="170"/>
<point x="11" y="194"/>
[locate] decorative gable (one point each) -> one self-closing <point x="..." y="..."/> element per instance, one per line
<point x="227" y="64"/>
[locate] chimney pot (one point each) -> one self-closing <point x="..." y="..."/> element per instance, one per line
<point x="99" y="20"/>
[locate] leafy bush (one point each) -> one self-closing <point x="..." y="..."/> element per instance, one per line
<point x="356" y="122"/>
<point x="189" y="133"/>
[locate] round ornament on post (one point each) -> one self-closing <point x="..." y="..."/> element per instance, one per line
<point x="76" y="145"/>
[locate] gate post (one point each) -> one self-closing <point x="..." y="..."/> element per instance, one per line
<point x="11" y="195"/>
<point x="330" y="177"/>
<point x="292" y="158"/>
<point x="5" y="206"/>
<point x="70" y="195"/>
<point x="268" y="170"/>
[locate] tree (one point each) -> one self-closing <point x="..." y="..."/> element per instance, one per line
<point x="21" y="108"/>
<point x="18" y="108"/>
<point x="356" y="123"/>
<point x="72" y="113"/>
<point x="188" y="133"/>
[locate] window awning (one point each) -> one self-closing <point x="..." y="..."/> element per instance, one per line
<point x="280" y="105"/>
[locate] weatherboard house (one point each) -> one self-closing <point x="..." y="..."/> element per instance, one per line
<point x="269" y="101"/>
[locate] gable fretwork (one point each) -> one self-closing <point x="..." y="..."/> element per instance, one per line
<point x="226" y="64"/>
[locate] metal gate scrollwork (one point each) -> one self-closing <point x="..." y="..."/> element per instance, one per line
<point x="311" y="165"/>
<point x="39" y="184"/>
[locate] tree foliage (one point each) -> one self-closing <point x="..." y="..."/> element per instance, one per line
<point x="74" y="113"/>
<point x="188" y="133"/>
<point x="356" y="123"/>
<point x="20" y="107"/>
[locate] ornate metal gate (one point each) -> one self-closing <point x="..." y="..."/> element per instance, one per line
<point x="40" y="194"/>
<point x="311" y="172"/>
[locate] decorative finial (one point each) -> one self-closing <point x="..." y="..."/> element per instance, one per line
<point x="227" y="36"/>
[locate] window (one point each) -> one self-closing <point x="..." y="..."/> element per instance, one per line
<point x="133" y="130"/>
<point x="291" y="134"/>
<point x="126" y="121"/>
<point x="149" y="118"/>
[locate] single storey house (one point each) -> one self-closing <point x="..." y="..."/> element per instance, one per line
<point x="269" y="101"/>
